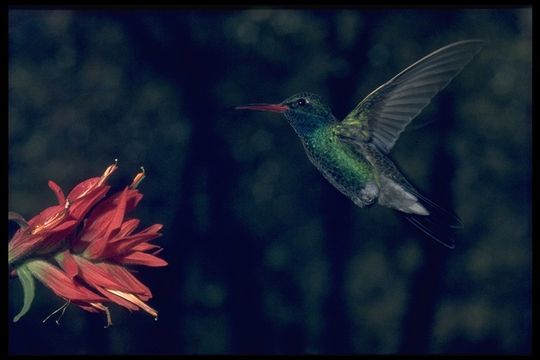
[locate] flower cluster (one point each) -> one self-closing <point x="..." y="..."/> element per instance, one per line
<point x="81" y="248"/>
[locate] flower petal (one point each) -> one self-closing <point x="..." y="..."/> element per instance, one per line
<point x="22" y="245"/>
<point x="141" y="258"/>
<point x="144" y="247"/>
<point x="100" y="218"/>
<point x="83" y="188"/>
<point x="27" y="282"/>
<point x="118" y="216"/>
<point x="122" y="245"/>
<point x="134" y="197"/>
<point x="95" y="276"/>
<point x="128" y="227"/>
<point x="112" y="225"/>
<point x="52" y="220"/>
<point x="130" y="282"/>
<point x="55" y="238"/>
<point x="80" y="206"/>
<point x="67" y="263"/>
<point x="60" y="283"/>
<point x="47" y="219"/>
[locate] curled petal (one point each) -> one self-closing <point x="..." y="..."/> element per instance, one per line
<point x="58" y="192"/>
<point x="18" y="218"/>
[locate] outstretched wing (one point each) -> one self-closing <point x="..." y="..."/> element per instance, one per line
<point x="385" y="113"/>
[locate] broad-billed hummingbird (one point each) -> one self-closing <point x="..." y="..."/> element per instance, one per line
<point x="352" y="153"/>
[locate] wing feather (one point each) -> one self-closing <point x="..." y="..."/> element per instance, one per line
<point x="383" y="115"/>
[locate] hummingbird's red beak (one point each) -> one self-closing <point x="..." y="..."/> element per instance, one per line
<point x="264" y="107"/>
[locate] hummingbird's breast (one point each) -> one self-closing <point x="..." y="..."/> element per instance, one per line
<point x="348" y="171"/>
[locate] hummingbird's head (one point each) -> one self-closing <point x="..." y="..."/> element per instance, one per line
<point x="304" y="111"/>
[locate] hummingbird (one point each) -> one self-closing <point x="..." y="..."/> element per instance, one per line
<point x="352" y="154"/>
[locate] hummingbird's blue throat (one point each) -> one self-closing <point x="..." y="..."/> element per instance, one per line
<point x="306" y="124"/>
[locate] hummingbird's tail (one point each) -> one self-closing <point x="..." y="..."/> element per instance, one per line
<point x="435" y="221"/>
<point x="439" y="224"/>
<point x="397" y="193"/>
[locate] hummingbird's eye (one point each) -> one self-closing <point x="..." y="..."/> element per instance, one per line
<point x="299" y="102"/>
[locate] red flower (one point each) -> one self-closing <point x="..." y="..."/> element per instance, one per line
<point x="58" y="282"/>
<point x="44" y="232"/>
<point x="108" y="241"/>
<point x="92" y="261"/>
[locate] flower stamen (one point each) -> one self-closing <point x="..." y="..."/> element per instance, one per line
<point x="61" y="308"/>
<point x="138" y="178"/>
<point x="107" y="173"/>
<point x="105" y="309"/>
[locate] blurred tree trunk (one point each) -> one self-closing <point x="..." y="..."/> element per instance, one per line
<point x="427" y="282"/>
<point x="209" y="172"/>
<point x="338" y="218"/>
<point x="162" y="60"/>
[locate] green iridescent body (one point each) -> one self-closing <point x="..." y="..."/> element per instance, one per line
<point x="352" y="153"/>
<point x="347" y="170"/>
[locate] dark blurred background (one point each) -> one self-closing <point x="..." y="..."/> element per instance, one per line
<point x="266" y="257"/>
